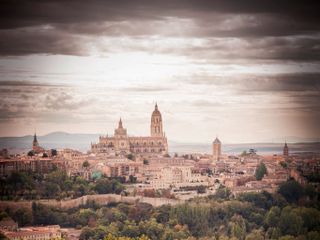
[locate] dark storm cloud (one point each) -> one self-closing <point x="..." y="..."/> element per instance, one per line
<point x="298" y="82"/>
<point x="27" y="84"/>
<point x="295" y="48"/>
<point x="39" y="40"/>
<point x="60" y="27"/>
<point x="16" y="13"/>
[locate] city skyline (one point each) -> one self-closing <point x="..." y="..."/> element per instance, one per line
<point x="246" y="72"/>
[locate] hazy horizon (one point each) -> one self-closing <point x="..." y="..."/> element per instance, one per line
<point x="243" y="71"/>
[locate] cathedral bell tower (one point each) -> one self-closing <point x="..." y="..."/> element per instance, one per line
<point x="285" y="150"/>
<point x="156" y="123"/>
<point x="35" y="143"/>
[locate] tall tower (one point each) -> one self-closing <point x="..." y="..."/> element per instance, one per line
<point x="121" y="139"/>
<point x="35" y="143"/>
<point x="120" y="132"/>
<point x="285" y="150"/>
<point x="156" y="123"/>
<point x="216" y="147"/>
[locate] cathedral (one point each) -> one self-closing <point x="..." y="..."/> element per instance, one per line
<point x="121" y="143"/>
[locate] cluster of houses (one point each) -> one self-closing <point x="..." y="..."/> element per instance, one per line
<point x="10" y="229"/>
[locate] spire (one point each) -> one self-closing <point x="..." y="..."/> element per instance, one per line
<point x="35" y="137"/>
<point x="217" y="141"/>
<point x="35" y="140"/>
<point x="156" y="107"/>
<point x="286" y="149"/>
<point x="120" y="124"/>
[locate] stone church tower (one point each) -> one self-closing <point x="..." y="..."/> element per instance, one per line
<point x="216" y="149"/>
<point x="156" y="123"/>
<point x="285" y="150"/>
<point x="35" y="144"/>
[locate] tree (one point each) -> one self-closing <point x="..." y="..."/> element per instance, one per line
<point x="255" y="235"/>
<point x="201" y="189"/>
<point x="31" y="153"/>
<point x="252" y="151"/>
<point x="23" y="216"/>
<point x="260" y="171"/>
<point x="313" y="235"/>
<point x="87" y="233"/>
<point x="238" y="227"/>
<point x="85" y="164"/>
<point x="310" y="217"/>
<point x="103" y="186"/>
<point x="132" y="179"/>
<point x="222" y="193"/>
<point x="130" y="156"/>
<point x="145" y="162"/>
<point x="152" y="229"/>
<point x="54" y="152"/>
<point x="284" y="164"/>
<point x="272" y="217"/>
<point x="116" y="186"/>
<point x="287" y="237"/>
<point x="3" y="215"/>
<point x="291" y="190"/>
<point x="244" y="153"/>
<point x="261" y="199"/>
<point x="51" y="189"/>
<point x="290" y="223"/>
<point x="3" y="237"/>
<point x="273" y="233"/>
<point x="130" y="229"/>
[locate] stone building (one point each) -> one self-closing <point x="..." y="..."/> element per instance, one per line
<point x="121" y="143"/>
<point x="216" y="147"/>
<point x="35" y="145"/>
<point x="39" y="165"/>
<point x="35" y="233"/>
<point x="285" y="150"/>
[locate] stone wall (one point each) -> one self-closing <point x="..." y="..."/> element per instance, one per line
<point x="101" y="199"/>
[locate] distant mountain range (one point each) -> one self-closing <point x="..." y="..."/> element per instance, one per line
<point x="59" y="140"/>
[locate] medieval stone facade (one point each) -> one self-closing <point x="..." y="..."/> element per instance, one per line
<point x="121" y="143"/>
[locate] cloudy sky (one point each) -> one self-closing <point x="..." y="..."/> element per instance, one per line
<point x="243" y="70"/>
